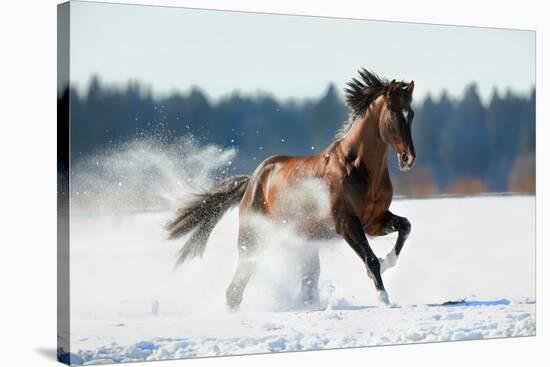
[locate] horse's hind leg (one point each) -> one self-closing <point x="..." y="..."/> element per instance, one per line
<point x="234" y="293"/>
<point x="392" y="224"/>
<point x="245" y="267"/>
<point x="310" y="268"/>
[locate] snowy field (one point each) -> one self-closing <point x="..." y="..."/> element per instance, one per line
<point x="128" y="303"/>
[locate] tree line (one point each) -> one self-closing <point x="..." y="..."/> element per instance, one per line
<point x="463" y="146"/>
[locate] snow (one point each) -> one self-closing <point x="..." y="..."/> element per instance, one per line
<point x="254" y="332"/>
<point x="128" y="303"/>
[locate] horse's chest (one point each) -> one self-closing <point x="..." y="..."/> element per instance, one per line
<point x="371" y="206"/>
<point x="374" y="207"/>
<point x="371" y="195"/>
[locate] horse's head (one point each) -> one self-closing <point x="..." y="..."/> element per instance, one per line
<point x="396" y="122"/>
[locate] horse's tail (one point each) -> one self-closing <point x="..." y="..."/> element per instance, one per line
<point x="202" y="214"/>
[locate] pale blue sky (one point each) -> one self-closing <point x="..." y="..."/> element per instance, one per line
<point x="288" y="56"/>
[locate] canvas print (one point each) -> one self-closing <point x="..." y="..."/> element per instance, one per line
<point x="235" y="183"/>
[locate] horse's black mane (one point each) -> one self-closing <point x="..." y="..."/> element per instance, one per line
<point x="361" y="93"/>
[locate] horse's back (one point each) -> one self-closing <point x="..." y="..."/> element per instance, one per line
<point x="255" y="194"/>
<point x="289" y="189"/>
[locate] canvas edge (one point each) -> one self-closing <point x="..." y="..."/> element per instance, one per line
<point x="63" y="164"/>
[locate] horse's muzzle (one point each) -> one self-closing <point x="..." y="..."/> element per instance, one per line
<point x="406" y="159"/>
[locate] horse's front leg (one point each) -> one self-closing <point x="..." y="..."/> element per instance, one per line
<point x="351" y="229"/>
<point x="394" y="223"/>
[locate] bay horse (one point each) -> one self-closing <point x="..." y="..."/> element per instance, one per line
<point x="353" y="169"/>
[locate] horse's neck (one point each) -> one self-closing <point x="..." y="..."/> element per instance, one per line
<point x="365" y="143"/>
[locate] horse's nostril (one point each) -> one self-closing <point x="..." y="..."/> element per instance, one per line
<point x="404" y="157"/>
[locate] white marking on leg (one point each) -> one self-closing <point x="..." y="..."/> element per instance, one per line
<point x="389" y="261"/>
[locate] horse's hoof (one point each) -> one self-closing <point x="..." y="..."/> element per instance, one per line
<point x="232" y="309"/>
<point x="383" y="297"/>
<point x="309" y="300"/>
<point x="233" y="303"/>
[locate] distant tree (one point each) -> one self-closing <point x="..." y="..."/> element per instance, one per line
<point x="522" y="175"/>
<point x="444" y="110"/>
<point x="527" y="138"/>
<point x="467" y="186"/>
<point x="326" y="117"/>
<point x="416" y="183"/>
<point x="503" y="123"/>
<point x="426" y="128"/>
<point x="431" y="120"/>
<point x="462" y="146"/>
<point x="465" y="142"/>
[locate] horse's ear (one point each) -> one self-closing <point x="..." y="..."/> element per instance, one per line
<point x="410" y="88"/>
<point x="391" y="88"/>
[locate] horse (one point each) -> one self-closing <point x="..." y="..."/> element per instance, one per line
<point x="353" y="169"/>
